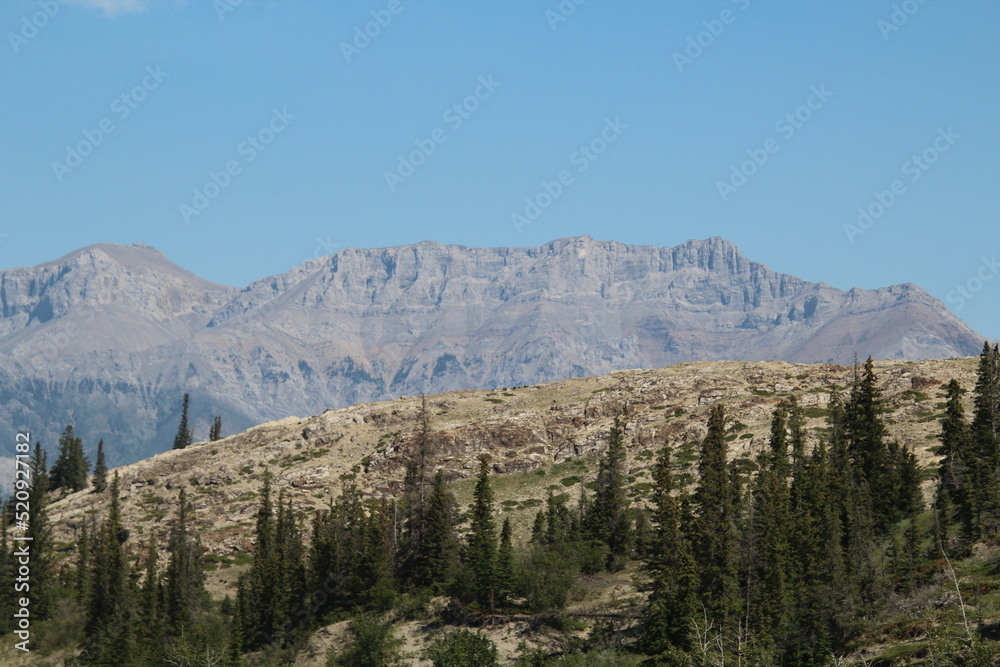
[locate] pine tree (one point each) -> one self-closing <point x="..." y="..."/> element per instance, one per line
<point x="215" y="432"/>
<point x="437" y="560"/>
<point x="290" y="559"/>
<point x="505" y="564"/>
<point x="259" y="586"/>
<point x="482" y="542"/>
<point x="715" y="523"/>
<point x="85" y="547"/>
<point x="184" y="587"/>
<point x="100" y="470"/>
<point x="608" y="519"/>
<point x="985" y="431"/>
<point x="109" y="612"/>
<point x="151" y="610"/>
<point x="39" y="537"/>
<point x="770" y="568"/>
<point x="6" y="577"/>
<point x="673" y="601"/>
<point x="184" y="436"/>
<point x="954" y="500"/>
<point x="70" y="469"/>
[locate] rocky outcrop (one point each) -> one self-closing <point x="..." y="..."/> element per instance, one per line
<point x="110" y="336"/>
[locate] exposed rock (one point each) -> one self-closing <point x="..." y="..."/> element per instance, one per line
<point x="109" y="337"/>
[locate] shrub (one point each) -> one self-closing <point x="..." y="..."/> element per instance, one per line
<point x="462" y="648"/>
<point x="374" y="645"/>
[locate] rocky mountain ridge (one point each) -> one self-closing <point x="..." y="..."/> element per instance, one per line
<point x="109" y="337"/>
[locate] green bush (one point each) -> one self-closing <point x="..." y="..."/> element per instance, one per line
<point x="374" y="645"/>
<point x="461" y="648"/>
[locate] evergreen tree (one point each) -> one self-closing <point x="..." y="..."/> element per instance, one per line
<point x="818" y="568"/>
<point x="673" y="601"/>
<point x="70" y="469"/>
<point x="715" y="524"/>
<point x="259" y="587"/>
<point x="7" y="577"/>
<point x="39" y="537"/>
<point x="505" y="564"/>
<point x="100" y="470"/>
<point x="769" y="572"/>
<point x="86" y="544"/>
<point x="482" y="542"/>
<point x="290" y="557"/>
<point x="985" y="431"/>
<point x="184" y="436"/>
<point x="608" y="519"/>
<point x="184" y="587"/>
<point x="109" y="621"/>
<point x="436" y="562"/>
<point x="215" y="431"/>
<point x="151" y="610"/>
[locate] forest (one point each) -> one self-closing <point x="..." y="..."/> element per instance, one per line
<point x="790" y="561"/>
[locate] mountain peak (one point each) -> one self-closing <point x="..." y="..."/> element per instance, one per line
<point x="137" y="257"/>
<point x="369" y="324"/>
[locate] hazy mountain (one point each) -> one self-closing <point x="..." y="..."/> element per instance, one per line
<point x="109" y="337"/>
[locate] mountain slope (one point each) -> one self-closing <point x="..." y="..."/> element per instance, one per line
<point x="109" y="337"/>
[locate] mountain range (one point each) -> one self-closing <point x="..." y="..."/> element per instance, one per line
<point x="109" y="337"/>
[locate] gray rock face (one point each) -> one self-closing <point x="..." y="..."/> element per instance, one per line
<point x="109" y="337"/>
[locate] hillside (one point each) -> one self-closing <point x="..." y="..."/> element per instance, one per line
<point x="539" y="438"/>
<point x="109" y="337"/>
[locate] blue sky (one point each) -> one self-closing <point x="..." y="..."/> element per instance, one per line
<point x="241" y="138"/>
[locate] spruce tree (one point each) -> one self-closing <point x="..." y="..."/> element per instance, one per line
<point x="39" y="537"/>
<point x="482" y="542"/>
<point x="215" y="432"/>
<point x="770" y="569"/>
<point x="954" y="501"/>
<point x="505" y="564"/>
<point x="673" y="600"/>
<point x="109" y="619"/>
<point x="7" y="577"/>
<point x="184" y="436"/>
<point x="608" y="519"/>
<point x="436" y="563"/>
<point x="715" y="523"/>
<point x="259" y="586"/>
<point x="151" y="607"/>
<point x="70" y="469"/>
<point x="100" y="470"/>
<point x="986" y="442"/>
<point x="184" y="585"/>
